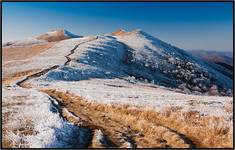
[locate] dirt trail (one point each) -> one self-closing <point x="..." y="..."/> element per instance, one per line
<point x="118" y="126"/>
<point x="72" y="51"/>
<point x="110" y="126"/>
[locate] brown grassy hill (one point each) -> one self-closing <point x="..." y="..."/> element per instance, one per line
<point x="56" y="35"/>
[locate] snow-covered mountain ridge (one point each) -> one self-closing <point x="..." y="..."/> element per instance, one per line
<point x="171" y="66"/>
<point x="146" y="58"/>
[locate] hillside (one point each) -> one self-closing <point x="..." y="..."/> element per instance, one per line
<point x="118" y="90"/>
<point x="146" y="58"/>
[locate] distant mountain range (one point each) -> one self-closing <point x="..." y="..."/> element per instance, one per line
<point x="219" y="60"/>
<point x="214" y="56"/>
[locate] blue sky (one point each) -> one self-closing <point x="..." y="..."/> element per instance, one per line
<point x="188" y="25"/>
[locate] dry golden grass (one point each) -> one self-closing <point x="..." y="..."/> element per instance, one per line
<point x="56" y="36"/>
<point x="23" y="131"/>
<point x="6" y="143"/>
<point x="121" y="32"/>
<point x="229" y="107"/>
<point x="21" y="53"/>
<point x="118" y="32"/>
<point x="170" y="128"/>
<point x="123" y="124"/>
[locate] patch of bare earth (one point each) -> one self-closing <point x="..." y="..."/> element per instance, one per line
<point x="125" y="126"/>
<point x="21" y="53"/>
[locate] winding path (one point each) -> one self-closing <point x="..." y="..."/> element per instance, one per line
<point x="63" y="112"/>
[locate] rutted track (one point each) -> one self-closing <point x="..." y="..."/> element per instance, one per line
<point x="103" y="130"/>
<point x="116" y="130"/>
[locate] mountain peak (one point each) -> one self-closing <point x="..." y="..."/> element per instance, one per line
<point x="56" y="35"/>
<point x="119" y="32"/>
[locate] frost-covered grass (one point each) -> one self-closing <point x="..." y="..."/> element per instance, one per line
<point x="35" y="123"/>
<point x="117" y="91"/>
<point x="101" y="57"/>
<point x="198" y="116"/>
<point x="52" y="56"/>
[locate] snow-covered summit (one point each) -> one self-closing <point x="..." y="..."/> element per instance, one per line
<point x="57" y="35"/>
<point x="153" y="59"/>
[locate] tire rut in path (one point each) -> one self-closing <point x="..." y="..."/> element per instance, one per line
<point x="102" y="138"/>
<point x="121" y="132"/>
